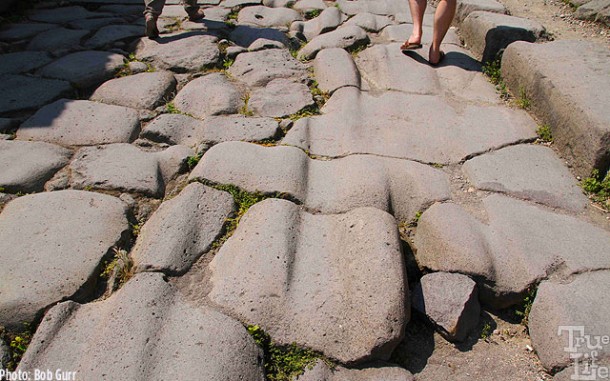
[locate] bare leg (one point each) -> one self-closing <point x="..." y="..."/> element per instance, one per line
<point x="442" y="21"/>
<point x="418" y="8"/>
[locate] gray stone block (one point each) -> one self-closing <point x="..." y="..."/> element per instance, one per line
<point x="63" y="14"/>
<point x="346" y="38"/>
<point x="335" y="68"/>
<point x="244" y="35"/>
<point x="466" y="7"/>
<point x="22" y="62"/>
<point x="58" y="39"/>
<point x="328" y="20"/>
<point x="84" y="69"/>
<point x="212" y="94"/>
<point x="309" y="5"/>
<point x="400" y="33"/>
<point x="22" y="31"/>
<point x="378" y="7"/>
<point x="180" y="52"/>
<point x="27" y="93"/>
<point x="174" y="129"/>
<point x="259" y="68"/>
<point x="263" y="44"/>
<point x="370" y="22"/>
<point x="281" y="97"/>
<point x="139" y="91"/>
<point x="95" y="24"/>
<point x="110" y="34"/>
<point x="377" y="371"/>
<point x="596" y="10"/>
<point x="266" y="17"/>
<point x="51" y="247"/>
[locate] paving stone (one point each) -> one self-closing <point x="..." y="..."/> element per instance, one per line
<point x="28" y="165"/>
<point x="370" y="22"/>
<point x="84" y="69"/>
<point x="52" y="245"/>
<point x="16" y="32"/>
<point x="378" y="371"/>
<point x="63" y="14"/>
<point x="450" y="301"/>
<point x="581" y="303"/>
<point x="262" y="44"/>
<point x="239" y="3"/>
<point x="244" y="35"/>
<point x="303" y="278"/>
<point x="309" y="5"/>
<point x="188" y="223"/>
<point x="328" y="20"/>
<point x="487" y="34"/>
<point x="519" y="245"/>
<point x="174" y="129"/>
<point x="461" y="79"/>
<point x="405" y="17"/>
<point x="398" y="186"/>
<point x="335" y="68"/>
<point x="466" y="7"/>
<point x="278" y="3"/>
<point x="403" y="125"/>
<point x="259" y="68"/>
<point x="156" y="332"/>
<point x="137" y="67"/>
<point x="281" y="97"/>
<point x="215" y="14"/>
<point x="400" y="33"/>
<point x="76" y="123"/>
<point x="58" y="39"/>
<point x="346" y="38"/>
<point x="122" y="9"/>
<point x="95" y="24"/>
<point x="212" y="94"/>
<point x="5" y="355"/>
<point x="570" y="98"/>
<point x="378" y="7"/>
<point x="22" y="62"/>
<point x="126" y="168"/>
<point x="110" y="34"/>
<point x="266" y="17"/>
<point x="140" y="91"/>
<point x="596" y="10"/>
<point x="181" y="52"/>
<point x="25" y="92"/>
<point x="529" y="172"/>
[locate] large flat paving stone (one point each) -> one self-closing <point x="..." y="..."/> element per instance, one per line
<point x="26" y="93"/>
<point x="333" y="283"/>
<point x="398" y="186"/>
<point x="329" y="19"/>
<point x="400" y="125"/>
<point x="378" y="371"/>
<point x="126" y="168"/>
<point x="145" y="331"/>
<point x="566" y="82"/>
<point x="466" y="7"/>
<point x="261" y="67"/>
<point x="139" y="91"/>
<point x="77" y="123"/>
<point x="23" y="31"/>
<point x="84" y="69"/>
<point x="529" y="172"/>
<point x="370" y="22"/>
<point x="401" y="32"/>
<point x="51" y="247"/>
<point x="212" y="94"/>
<point x="517" y="246"/>
<point x="596" y="10"/>
<point x="59" y="39"/>
<point x="335" y="68"/>
<point x="244" y="35"/>
<point x="109" y="34"/>
<point x="63" y="14"/>
<point x="22" y="62"/>
<point x="95" y="24"/>
<point x="378" y="7"/>
<point x="281" y="97"/>
<point x="346" y="38"/>
<point x="188" y="223"/>
<point x="267" y="17"/>
<point x="28" y="165"/>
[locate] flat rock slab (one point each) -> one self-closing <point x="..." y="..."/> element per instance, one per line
<point x="181" y="52"/>
<point x="51" y="247"/>
<point x="400" y="125"/>
<point x="174" y="129"/>
<point x="126" y="168"/>
<point x="347" y="37"/>
<point x="26" y="93"/>
<point x="139" y="91"/>
<point x="145" y="331"/>
<point x="378" y="7"/>
<point x="84" y="69"/>
<point x="370" y="22"/>
<point x="450" y="301"/>
<point x="329" y="19"/>
<point x="308" y="279"/>
<point x="188" y="223"/>
<point x="244" y="35"/>
<point x="519" y="245"/>
<point x="529" y="172"/>
<point x="95" y="24"/>
<point x="564" y="313"/>
<point x="378" y="371"/>
<point x="466" y="7"/>
<point x="398" y="186"/>
<point x="212" y="94"/>
<point x="108" y="35"/>
<point x="570" y="98"/>
<point x="63" y="14"/>
<point x="76" y="123"/>
<point x="400" y="33"/>
<point x="266" y="17"/>
<point x="29" y="165"/>
<point x="23" y="31"/>
<point x="281" y="97"/>
<point x="596" y="10"/>
<point x="22" y="62"/>
<point x="259" y="68"/>
<point x="309" y="5"/>
<point x="59" y="39"/>
<point x="335" y="68"/>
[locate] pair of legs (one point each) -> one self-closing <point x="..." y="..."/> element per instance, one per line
<point x="153" y="9"/>
<point x="442" y="21"/>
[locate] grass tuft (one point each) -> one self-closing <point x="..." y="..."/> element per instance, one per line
<point x="597" y="188"/>
<point x="544" y="133"/>
<point x="18" y="343"/>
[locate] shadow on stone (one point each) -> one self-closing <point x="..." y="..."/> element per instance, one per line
<point x="452" y="58"/>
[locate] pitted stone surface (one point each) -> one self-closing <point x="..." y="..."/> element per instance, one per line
<point x="175" y="129"/>
<point x="110" y="34"/>
<point x="126" y="168"/>
<point x="140" y="91"/>
<point x="263" y="43"/>
<point x="580" y="303"/>
<point x="63" y="14"/>
<point x="329" y="19"/>
<point x="244" y="35"/>
<point x="370" y="22"/>
<point x="575" y="106"/>
<point x="333" y="283"/>
<point x="181" y="52"/>
<point x="530" y="172"/>
<point x="212" y="94"/>
<point x="51" y="247"/>
<point x="281" y="97"/>
<point x="378" y="7"/>
<point x="188" y="223"/>
<point x="75" y="122"/>
<point x="519" y="245"/>
<point x="266" y="17"/>
<point x="28" y="165"/>
<point x="378" y="371"/>
<point x="24" y="92"/>
<point x="346" y="37"/>
<point x="21" y="62"/>
<point x="597" y="10"/>
<point x="403" y="130"/>
<point x="466" y="7"/>
<point x="59" y="39"/>
<point x="398" y="186"/>
<point x="335" y="68"/>
<point x="16" y="32"/>
<point x="84" y="69"/>
<point x="309" y="5"/>
<point x="158" y="335"/>
<point x="259" y="68"/>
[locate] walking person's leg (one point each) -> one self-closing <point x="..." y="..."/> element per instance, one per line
<point x="442" y="21"/>
<point x="418" y="8"/>
<point x="193" y="10"/>
<point x="152" y="11"/>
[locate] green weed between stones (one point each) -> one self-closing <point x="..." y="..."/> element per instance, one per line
<point x="312" y="13"/>
<point x="192" y="161"/>
<point x="486" y="331"/>
<point x="245" y="110"/>
<point x="170" y="108"/>
<point x="119" y="270"/>
<point x="306" y="112"/>
<point x="284" y="362"/>
<point x="544" y="133"/>
<point x="492" y="71"/>
<point x="523" y="310"/>
<point x="523" y="101"/>
<point x="597" y="188"/>
<point x="18" y="343"/>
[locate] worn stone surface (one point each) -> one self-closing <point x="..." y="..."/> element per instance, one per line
<point x="262" y="44"/>
<point x="378" y="7"/>
<point x="581" y="302"/>
<point x="266" y="17"/>
<point x="188" y="223"/>
<point x="378" y="371"/>
<point x="244" y="35"/>
<point x="346" y="38"/>
<point x="370" y="22"/>
<point x="259" y="68"/>
<point x="335" y="68"/>
<point x="212" y="94"/>
<point x="25" y="92"/>
<point x="58" y="39"/>
<point x="466" y="7"/>
<point x="75" y="122"/>
<point x="28" y="165"/>
<point x="95" y="24"/>
<point x="144" y="321"/>
<point x="329" y="19"/>
<point x="126" y="168"/>
<point x="110" y="34"/>
<point x="174" y="129"/>
<point x="546" y="180"/>
<point x="51" y="247"/>
<point x="450" y="301"/>
<point x="21" y="62"/>
<point x="84" y="69"/>
<point x="280" y="97"/>
<point x="400" y="33"/>
<point x="237" y="3"/>
<point x="63" y="15"/>
<point x="140" y="91"/>
<point x="307" y="279"/>
<point x="180" y="52"/>
<point x="597" y="10"/>
<point x="16" y="32"/>
<point x="309" y="5"/>
<point x="574" y="106"/>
